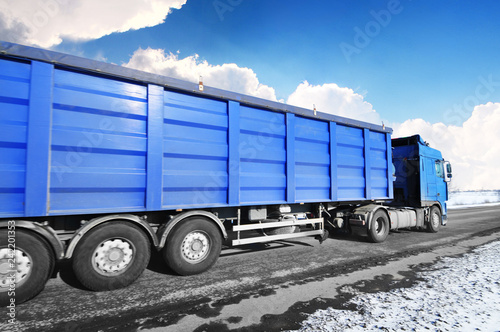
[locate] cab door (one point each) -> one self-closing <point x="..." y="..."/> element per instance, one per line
<point x="441" y="183"/>
<point x="430" y="176"/>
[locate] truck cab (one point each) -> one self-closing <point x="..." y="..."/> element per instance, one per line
<point x="421" y="174"/>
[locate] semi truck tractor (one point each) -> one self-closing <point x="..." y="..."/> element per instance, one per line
<point x="100" y="165"/>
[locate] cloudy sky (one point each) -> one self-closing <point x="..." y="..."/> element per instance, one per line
<point x="429" y="67"/>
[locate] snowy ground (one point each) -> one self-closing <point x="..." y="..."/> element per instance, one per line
<point x="457" y="294"/>
<point x="473" y="198"/>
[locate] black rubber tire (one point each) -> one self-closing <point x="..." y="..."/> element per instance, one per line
<point x="179" y="237"/>
<point x="435" y="219"/>
<point x="380" y="227"/>
<point x="279" y="230"/>
<point x="87" y="271"/>
<point x="42" y="264"/>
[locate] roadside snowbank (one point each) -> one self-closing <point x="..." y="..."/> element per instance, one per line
<point x="467" y="206"/>
<point x="460" y="198"/>
<point x="457" y="294"/>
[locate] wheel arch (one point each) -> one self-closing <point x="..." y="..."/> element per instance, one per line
<point x="369" y="210"/>
<point x="385" y="211"/>
<point x="439" y="206"/>
<point x="47" y="234"/>
<point x="430" y="204"/>
<point x="132" y="219"/>
<point x="432" y="225"/>
<point x="163" y="232"/>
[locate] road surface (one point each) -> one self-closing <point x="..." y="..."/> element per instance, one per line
<point x="262" y="287"/>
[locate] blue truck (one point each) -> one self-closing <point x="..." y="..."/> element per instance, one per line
<point x="100" y="164"/>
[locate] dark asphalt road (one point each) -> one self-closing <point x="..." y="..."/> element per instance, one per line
<point x="251" y="274"/>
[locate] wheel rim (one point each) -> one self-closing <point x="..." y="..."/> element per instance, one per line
<point x="195" y="247"/>
<point x="435" y="220"/>
<point x="113" y="256"/>
<point x="22" y="267"/>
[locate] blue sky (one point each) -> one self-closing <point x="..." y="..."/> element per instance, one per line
<point x="419" y="62"/>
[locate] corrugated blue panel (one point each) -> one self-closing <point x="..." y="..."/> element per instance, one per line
<point x="350" y="163"/>
<point x="109" y="140"/>
<point x="99" y="144"/>
<point x="312" y="160"/>
<point x="378" y="161"/>
<point x="14" y="93"/>
<point x="195" y="165"/>
<point x="93" y="200"/>
<point x="98" y="86"/>
<point x="262" y="156"/>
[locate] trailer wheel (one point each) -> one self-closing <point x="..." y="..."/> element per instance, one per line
<point x="434" y="220"/>
<point x="31" y="263"/>
<point x="279" y="230"/>
<point x="193" y="246"/>
<point x="379" y="229"/>
<point x="111" y="256"/>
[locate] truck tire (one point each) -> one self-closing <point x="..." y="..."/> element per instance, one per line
<point x="193" y="246"/>
<point x="379" y="229"/>
<point x="435" y="219"/>
<point x="34" y="263"/>
<point x="111" y="256"/>
<point x="279" y="230"/>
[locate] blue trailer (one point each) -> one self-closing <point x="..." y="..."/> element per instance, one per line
<point x="99" y="163"/>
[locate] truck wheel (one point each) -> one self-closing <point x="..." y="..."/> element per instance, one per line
<point x="379" y="229"/>
<point x="280" y="230"/>
<point x="31" y="262"/>
<point x="434" y="220"/>
<point x="193" y="246"/>
<point x="111" y="256"/>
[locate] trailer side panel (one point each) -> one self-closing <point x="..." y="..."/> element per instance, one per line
<point x="78" y="142"/>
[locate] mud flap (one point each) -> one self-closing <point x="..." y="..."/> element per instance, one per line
<point x="323" y="237"/>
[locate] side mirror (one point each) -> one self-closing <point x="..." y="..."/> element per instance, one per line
<point x="447" y="170"/>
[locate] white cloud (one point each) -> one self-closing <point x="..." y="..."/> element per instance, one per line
<point x="226" y="76"/>
<point x="472" y="148"/>
<point x="12" y="30"/>
<point x="46" y="22"/>
<point x="330" y="98"/>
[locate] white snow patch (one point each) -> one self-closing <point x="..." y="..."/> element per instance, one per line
<point x="462" y="198"/>
<point x="466" y="206"/>
<point x="458" y="294"/>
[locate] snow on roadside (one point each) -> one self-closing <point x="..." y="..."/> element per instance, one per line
<point x="461" y="198"/>
<point x="457" y="294"/>
<point x="466" y="206"/>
